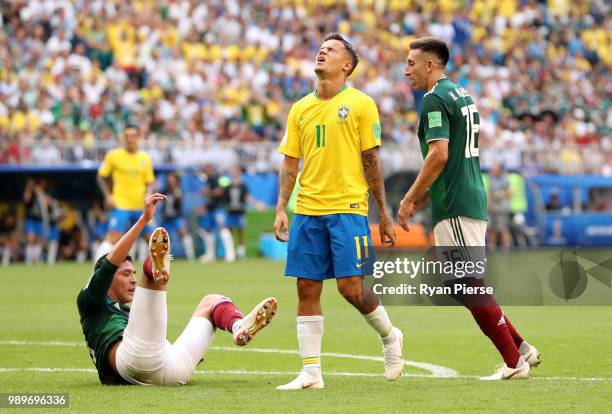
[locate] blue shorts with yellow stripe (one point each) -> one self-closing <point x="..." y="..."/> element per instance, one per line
<point x="330" y="246"/>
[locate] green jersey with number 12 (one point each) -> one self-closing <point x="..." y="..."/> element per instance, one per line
<point x="450" y="113"/>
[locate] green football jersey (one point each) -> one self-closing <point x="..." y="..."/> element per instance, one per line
<point x="102" y="319"/>
<point x="450" y="113"/>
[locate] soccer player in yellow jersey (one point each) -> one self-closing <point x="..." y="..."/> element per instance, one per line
<point x="336" y="130"/>
<point x="131" y="174"/>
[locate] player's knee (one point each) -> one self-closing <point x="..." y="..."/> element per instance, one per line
<point x="308" y="290"/>
<point x="204" y="308"/>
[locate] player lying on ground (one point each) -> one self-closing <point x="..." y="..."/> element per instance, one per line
<point x="450" y="176"/>
<point x="128" y="344"/>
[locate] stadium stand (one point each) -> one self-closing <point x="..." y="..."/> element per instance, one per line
<point x="72" y="74"/>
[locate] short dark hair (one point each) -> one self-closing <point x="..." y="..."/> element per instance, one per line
<point x="101" y="259"/>
<point x="349" y="48"/>
<point x="432" y="45"/>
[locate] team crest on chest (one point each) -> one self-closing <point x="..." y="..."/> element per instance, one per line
<point x="343" y="112"/>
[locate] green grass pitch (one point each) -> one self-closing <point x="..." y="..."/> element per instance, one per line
<point x="38" y="305"/>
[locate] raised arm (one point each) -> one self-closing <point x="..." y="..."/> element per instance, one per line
<point x="102" y="278"/>
<point x="373" y="174"/>
<point x="122" y="248"/>
<point x="286" y="181"/>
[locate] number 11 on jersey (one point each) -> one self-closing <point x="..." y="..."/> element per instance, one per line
<point x="320" y="135"/>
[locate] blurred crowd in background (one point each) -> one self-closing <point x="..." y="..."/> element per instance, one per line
<point x="196" y="73"/>
<point x="44" y="228"/>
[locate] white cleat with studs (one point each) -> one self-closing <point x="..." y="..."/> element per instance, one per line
<point x="159" y="253"/>
<point x="246" y="328"/>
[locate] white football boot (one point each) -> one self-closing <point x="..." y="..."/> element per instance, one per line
<point x="245" y="329"/>
<point x="394" y="356"/>
<point x="159" y="254"/>
<point x="303" y="382"/>
<point x="503" y="372"/>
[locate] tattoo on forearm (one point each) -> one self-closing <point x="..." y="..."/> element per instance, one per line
<point x="373" y="175"/>
<point x="286" y="182"/>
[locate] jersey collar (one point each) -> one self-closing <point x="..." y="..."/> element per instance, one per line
<point x="436" y="84"/>
<point x="345" y="86"/>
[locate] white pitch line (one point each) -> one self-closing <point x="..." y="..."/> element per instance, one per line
<point x="331" y="374"/>
<point x="422" y="365"/>
<point x="217" y="371"/>
<point x="435" y="370"/>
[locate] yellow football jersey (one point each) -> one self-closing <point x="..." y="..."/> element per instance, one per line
<point x="131" y="173"/>
<point x="330" y="135"/>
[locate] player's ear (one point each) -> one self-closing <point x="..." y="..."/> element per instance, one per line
<point x="348" y="65"/>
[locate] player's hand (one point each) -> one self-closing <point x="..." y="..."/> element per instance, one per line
<point x="148" y="212"/>
<point x="422" y="202"/>
<point x="110" y="202"/>
<point x="406" y="211"/>
<point x="281" y="226"/>
<point x="386" y="228"/>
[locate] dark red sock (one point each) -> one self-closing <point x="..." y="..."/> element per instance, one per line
<point x="518" y="339"/>
<point x="492" y="323"/>
<point x="224" y="315"/>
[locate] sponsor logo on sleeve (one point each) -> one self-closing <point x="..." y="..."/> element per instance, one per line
<point x="376" y="130"/>
<point x="435" y="119"/>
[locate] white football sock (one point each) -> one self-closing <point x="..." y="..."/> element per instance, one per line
<point x="37" y="248"/>
<point x="81" y="256"/>
<point x="6" y="256"/>
<point x="94" y="248"/>
<point x="310" y="333"/>
<point x="228" y="244"/>
<point x="209" y="244"/>
<point x="188" y="244"/>
<point x="241" y="251"/>
<point x="52" y="252"/>
<point x="29" y="255"/>
<point x="379" y="320"/>
<point x="524" y="348"/>
<point x="148" y="316"/>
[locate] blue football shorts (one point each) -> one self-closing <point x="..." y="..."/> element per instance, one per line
<point x="121" y="221"/>
<point x="330" y="246"/>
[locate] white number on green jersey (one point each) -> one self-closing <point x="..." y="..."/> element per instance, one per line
<point x="472" y="128"/>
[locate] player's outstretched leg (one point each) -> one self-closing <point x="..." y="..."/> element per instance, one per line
<point x="225" y="315"/>
<point x="159" y="255"/>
